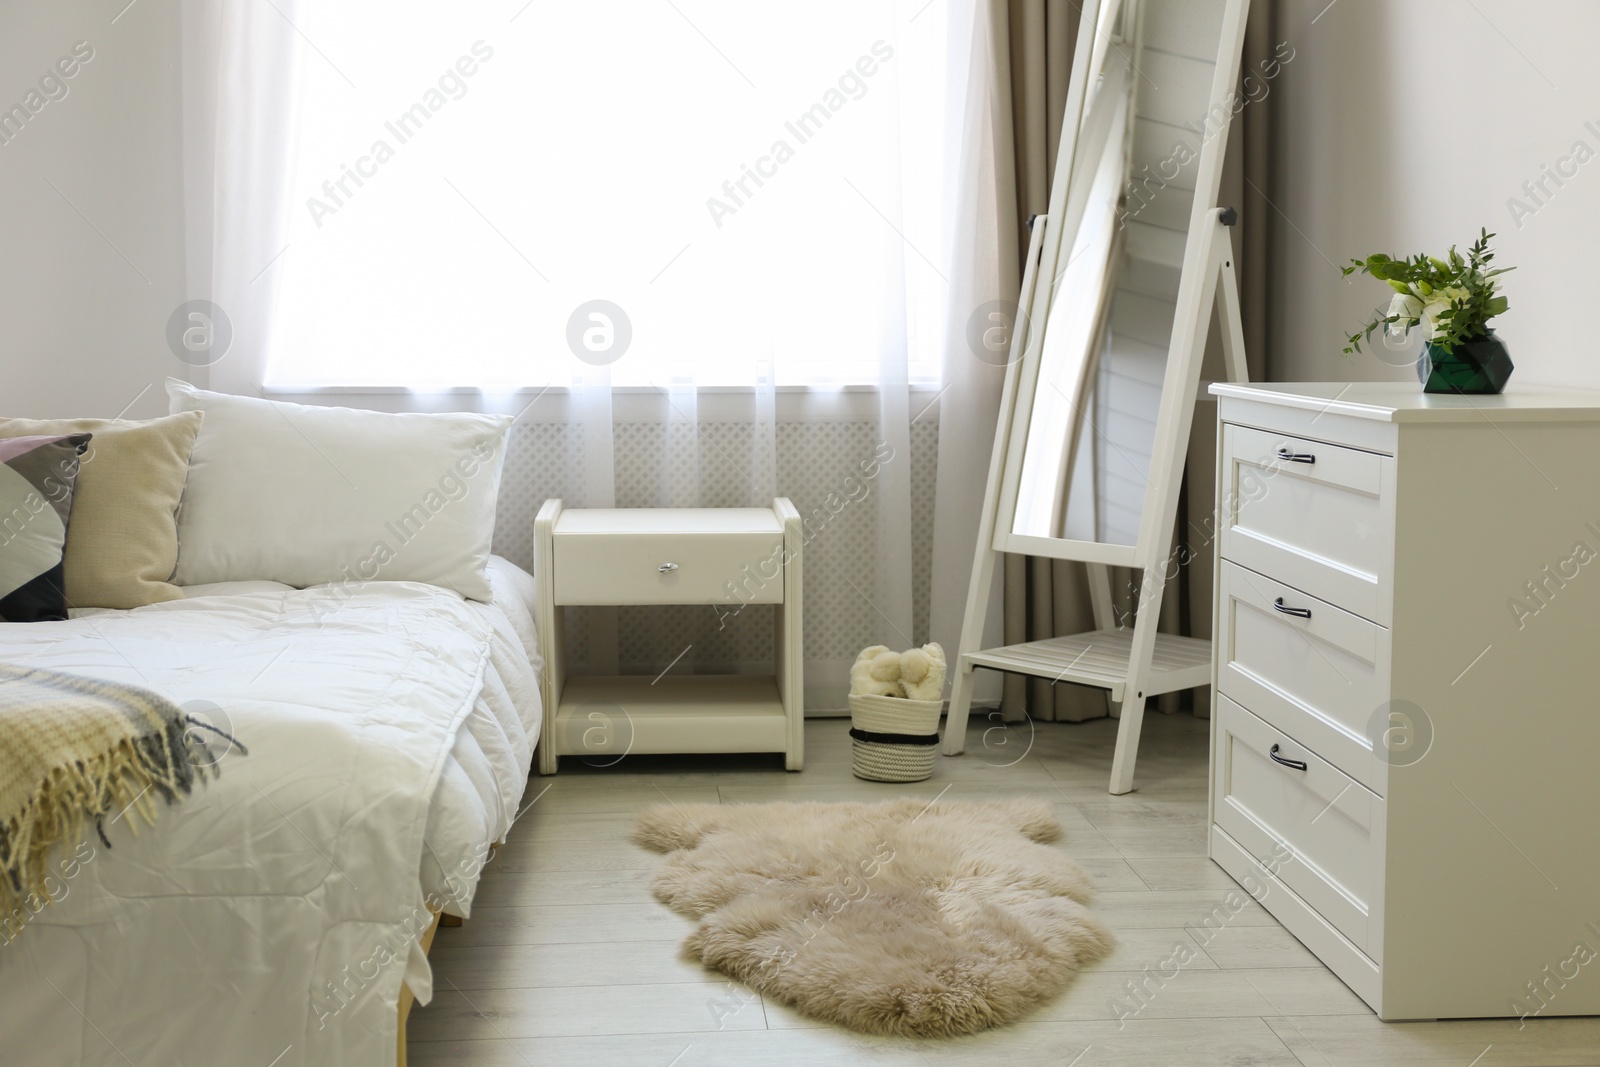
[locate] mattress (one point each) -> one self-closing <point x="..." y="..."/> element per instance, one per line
<point x="487" y="770"/>
<point x="391" y="727"/>
<point x="488" y="765"/>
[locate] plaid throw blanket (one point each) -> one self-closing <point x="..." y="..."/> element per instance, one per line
<point x="74" y="749"/>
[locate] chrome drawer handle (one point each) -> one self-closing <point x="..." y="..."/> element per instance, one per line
<point x="1299" y="613"/>
<point x="666" y="568"/>
<point x="1298" y="765"/>
<point x="1296" y="457"/>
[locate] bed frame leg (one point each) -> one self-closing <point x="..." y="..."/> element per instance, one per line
<point x="406" y="999"/>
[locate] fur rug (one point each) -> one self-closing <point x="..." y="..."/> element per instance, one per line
<point x="893" y="918"/>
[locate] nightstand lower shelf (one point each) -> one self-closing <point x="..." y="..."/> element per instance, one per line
<point x="612" y="716"/>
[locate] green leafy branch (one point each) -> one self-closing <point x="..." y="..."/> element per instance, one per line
<point x="1452" y="299"/>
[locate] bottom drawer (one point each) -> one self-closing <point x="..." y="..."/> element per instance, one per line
<point x="1317" y="829"/>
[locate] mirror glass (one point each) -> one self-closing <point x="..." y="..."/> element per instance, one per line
<point x="1090" y="421"/>
<point x="1073" y="335"/>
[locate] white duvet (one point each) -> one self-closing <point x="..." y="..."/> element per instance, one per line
<point x="270" y="918"/>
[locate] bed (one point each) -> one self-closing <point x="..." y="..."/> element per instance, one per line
<point x="279" y="915"/>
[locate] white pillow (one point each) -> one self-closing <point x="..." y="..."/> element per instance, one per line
<point x="306" y="495"/>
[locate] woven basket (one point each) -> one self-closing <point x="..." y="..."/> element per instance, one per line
<point x="913" y="725"/>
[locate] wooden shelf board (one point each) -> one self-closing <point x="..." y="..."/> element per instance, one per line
<point x="657" y="521"/>
<point x="704" y="694"/>
<point x="1100" y="658"/>
<point x="611" y="716"/>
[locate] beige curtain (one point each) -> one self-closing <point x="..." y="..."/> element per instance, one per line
<point x="1047" y="598"/>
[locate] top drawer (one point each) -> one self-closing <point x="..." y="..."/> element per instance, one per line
<point x="1317" y="516"/>
<point x="737" y="558"/>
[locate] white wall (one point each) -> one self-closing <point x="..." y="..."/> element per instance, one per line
<point x="83" y="313"/>
<point x="1406" y="126"/>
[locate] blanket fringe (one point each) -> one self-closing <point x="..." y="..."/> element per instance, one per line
<point x="113" y="783"/>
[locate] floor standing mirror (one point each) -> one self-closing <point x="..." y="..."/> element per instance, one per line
<point x="1117" y="297"/>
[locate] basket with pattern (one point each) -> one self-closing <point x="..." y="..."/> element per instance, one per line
<point x="895" y="701"/>
<point x="893" y="739"/>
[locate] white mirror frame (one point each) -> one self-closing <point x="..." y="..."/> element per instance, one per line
<point x="1195" y="291"/>
<point x="1123" y="661"/>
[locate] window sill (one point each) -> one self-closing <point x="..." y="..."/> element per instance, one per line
<point x="563" y="404"/>
<point x="536" y="390"/>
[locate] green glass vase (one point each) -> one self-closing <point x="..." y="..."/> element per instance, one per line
<point x="1480" y="365"/>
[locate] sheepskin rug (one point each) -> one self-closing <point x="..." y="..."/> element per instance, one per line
<point x="904" y="917"/>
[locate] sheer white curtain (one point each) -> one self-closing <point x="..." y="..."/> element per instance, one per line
<point x="984" y="258"/>
<point x="238" y="60"/>
<point x="681" y="217"/>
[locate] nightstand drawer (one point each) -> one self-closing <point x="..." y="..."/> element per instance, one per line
<point x="723" y="567"/>
<point x="1318" y="516"/>
<point x="1317" y="829"/>
<point x="1316" y="671"/>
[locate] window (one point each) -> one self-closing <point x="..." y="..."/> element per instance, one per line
<point x="742" y="185"/>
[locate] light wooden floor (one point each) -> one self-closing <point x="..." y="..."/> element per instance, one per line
<point x="569" y="960"/>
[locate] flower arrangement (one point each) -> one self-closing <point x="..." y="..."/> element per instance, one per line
<point x="1451" y="299"/>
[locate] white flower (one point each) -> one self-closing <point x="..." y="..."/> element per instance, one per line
<point x="1404" y="310"/>
<point x="1434" y="308"/>
<point x="1431" y="314"/>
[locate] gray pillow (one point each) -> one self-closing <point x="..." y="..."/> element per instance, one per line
<point x="37" y="478"/>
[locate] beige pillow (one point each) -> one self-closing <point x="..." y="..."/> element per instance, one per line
<point x="122" y="542"/>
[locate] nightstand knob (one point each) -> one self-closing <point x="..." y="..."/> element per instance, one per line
<point x="667" y="568"/>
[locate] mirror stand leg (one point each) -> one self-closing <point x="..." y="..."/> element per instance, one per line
<point x="955" y="723"/>
<point x="1128" y="727"/>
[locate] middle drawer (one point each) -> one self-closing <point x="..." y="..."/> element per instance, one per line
<point x="1311" y="669"/>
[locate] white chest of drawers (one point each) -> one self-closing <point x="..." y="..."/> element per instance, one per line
<point x="726" y="559"/>
<point x="1405" y="761"/>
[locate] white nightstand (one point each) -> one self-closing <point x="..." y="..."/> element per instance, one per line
<point x="726" y="558"/>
